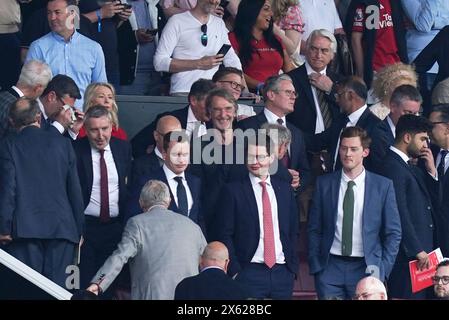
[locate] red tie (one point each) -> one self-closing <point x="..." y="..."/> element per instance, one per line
<point x="104" y="192"/>
<point x="269" y="252"/>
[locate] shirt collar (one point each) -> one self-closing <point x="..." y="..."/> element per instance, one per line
<point x="170" y="174"/>
<point x="158" y="153"/>
<point x="310" y="70"/>
<point x="392" y="126"/>
<point x="107" y="148"/>
<point x="256" y="180"/>
<point x="400" y="153"/>
<point x="355" y="116"/>
<point x="41" y="106"/>
<point x="190" y="116"/>
<point x="60" y="38"/>
<point x="271" y="117"/>
<point x="19" y="92"/>
<point x="358" y="180"/>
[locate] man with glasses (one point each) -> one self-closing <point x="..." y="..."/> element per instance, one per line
<point x="189" y="44"/>
<point x="441" y="280"/>
<point x="370" y="288"/>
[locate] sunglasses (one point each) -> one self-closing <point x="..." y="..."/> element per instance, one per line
<point x="204" y="35"/>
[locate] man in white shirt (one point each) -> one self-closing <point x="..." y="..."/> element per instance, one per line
<point x="189" y="44"/>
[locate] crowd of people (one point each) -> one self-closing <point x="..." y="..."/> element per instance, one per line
<point x="206" y="202"/>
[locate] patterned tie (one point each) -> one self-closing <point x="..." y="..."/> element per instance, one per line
<point x="348" y="217"/>
<point x="324" y="108"/>
<point x="182" y="197"/>
<point x="286" y="158"/>
<point x="104" y="190"/>
<point x="269" y="252"/>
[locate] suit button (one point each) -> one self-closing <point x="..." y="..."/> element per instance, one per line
<point x="428" y="208"/>
<point x="431" y="225"/>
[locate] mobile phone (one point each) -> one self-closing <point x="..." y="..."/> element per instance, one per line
<point x="126" y="6"/>
<point x="224" y="3"/>
<point x="224" y="49"/>
<point x="151" y="31"/>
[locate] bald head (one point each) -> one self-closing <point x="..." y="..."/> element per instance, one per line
<point x="370" y="288"/>
<point x="165" y="125"/>
<point x="24" y="112"/>
<point x="215" y="254"/>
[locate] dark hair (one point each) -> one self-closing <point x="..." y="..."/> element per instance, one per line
<point x="174" y="136"/>
<point x="23" y="112"/>
<point x="443" y="109"/>
<point x="409" y="123"/>
<point x="444" y="263"/>
<point x="63" y="85"/>
<point x="405" y="92"/>
<point x="353" y="132"/>
<point x="247" y="14"/>
<point x="200" y="88"/>
<point x="260" y="139"/>
<point x="221" y="73"/>
<point x="355" y="84"/>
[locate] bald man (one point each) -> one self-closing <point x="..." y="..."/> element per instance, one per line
<point x="370" y="288"/>
<point x="212" y="283"/>
<point x="148" y="162"/>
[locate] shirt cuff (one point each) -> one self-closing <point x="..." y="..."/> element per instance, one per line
<point x="58" y="127"/>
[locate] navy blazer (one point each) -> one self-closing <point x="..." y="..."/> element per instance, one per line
<point x="381" y="140"/>
<point x="304" y="114"/>
<point x="40" y="193"/>
<point x="414" y="204"/>
<point x="194" y="183"/>
<point x="298" y="156"/>
<point x="237" y="222"/>
<point x="144" y="165"/>
<point x="381" y="226"/>
<point x="121" y="152"/>
<point x="210" y="284"/>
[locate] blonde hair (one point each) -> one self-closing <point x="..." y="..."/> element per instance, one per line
<point x="89" y="95"/>
<point x="280" y="8"/>
<point x="390" y="77"/>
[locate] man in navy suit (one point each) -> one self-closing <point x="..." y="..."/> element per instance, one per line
<point x="100" y="156"/>
<point x="185" y="188"/>
<point x="41" y="206"/>
<point x="405" y="99"/>
<point x="257" y="220"/>
<point x="413" y="188"/>
<point x="212" y="283"/>
<point x="354" y="227"/>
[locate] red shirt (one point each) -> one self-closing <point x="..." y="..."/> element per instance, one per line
<point x="118" y="133"/>
<point x="265" y="62"/>
<point x="385" y="48"/>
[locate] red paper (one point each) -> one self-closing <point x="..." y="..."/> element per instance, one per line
<point x="422" y="279"/>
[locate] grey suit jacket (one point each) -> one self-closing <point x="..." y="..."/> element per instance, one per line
<point x="163" y="247"/>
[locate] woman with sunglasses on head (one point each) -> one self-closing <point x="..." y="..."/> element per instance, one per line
<point x="260" y="51"/>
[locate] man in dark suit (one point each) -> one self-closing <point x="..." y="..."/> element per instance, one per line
<point x="192" y="118"/>
<point x="354" y="225"/>
<point x="279" y="95"/>
<point x="212" y="283"/>
<point x="145" y="164"/>
<point x="257" y="220"/>
<point x="440" y="137"/>
<point x="103" y="166"/>
<point x="185" y="188"/>
<point x="413" y="189"/>
<point x="405" y="99"/>
<point x="351" y="97"/>
<point x="42" y="229"/>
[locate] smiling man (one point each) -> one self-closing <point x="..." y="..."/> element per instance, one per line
<point x="441" y="280"/>
<point x="354" y="227"/>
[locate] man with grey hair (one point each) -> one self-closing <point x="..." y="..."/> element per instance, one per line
<point x="282" y="137"/>
<point x="33" y="79"/>
<point x="370" y="288"/>
<point x="165" y="248"/>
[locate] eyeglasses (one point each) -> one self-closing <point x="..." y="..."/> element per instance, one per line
<point x="234" y="85"/>
<point x="204" y="35"/>
<point x="290" y="93"/>
<point x="324" y="51"/>
<point x="259" y="158"/>
<point x="444" y="279"/>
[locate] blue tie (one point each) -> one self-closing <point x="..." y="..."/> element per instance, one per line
<point x="181" y="193"/>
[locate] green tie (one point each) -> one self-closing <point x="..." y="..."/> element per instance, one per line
<point x="348" y="217"/>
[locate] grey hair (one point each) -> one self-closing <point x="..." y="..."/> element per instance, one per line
<point x="221" y="93"/>
<point x="97" y="112"/>
<point x="325" y="34"/>
<point x="154" y="193"/>
<point x="273" y="83"/>
<point x="278" y="133"/>
<point x="35" y="72"/>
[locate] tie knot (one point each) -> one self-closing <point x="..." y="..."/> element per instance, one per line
<point x="263" y="184"/>
<point x="101" y="153"/>
<point x="280" y="121"/>
<point x="178" y="179"/>
<point x="351" y="184"/>
<point x="443" y="153"/>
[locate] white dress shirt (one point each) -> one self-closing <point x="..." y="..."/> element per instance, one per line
<point x="257" y="188"/>
<point x="446" y="161"/>
<point x="173" y="185"/>
<point x="55" y="123"/>
<point x="192" y="123"/>
<point x="19" y="92"/>
<point x="319" y="126"/>
<point x="93" y="208"/>
<point x="400" y="153"/>
<point x="392" y="126"/>
<point x="359" y="199"/>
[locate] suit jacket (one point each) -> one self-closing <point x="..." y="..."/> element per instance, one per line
<point x="237" y="222"/>
<point x="144" y="165"/>
<point x="210" y="284"/>
<point x="298" y="156"/>
<point x="304" y="114"/>
<point x="121" y="152"/>
<point x="194" y="183"/>
<point x="7" y="97"/>
<point x="40" y="192"/>
<point x="381" y="139"/>
<point x="381" y="226"/>
<point x="165" y="248"/>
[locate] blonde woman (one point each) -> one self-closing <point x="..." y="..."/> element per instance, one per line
<point x="288" y="26"/>
<point x="103" y="94"/>
<point x="388" y="79"/>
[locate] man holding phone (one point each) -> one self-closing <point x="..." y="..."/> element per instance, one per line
<point x="189" y="45"/>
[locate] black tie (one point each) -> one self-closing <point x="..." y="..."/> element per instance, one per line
<point x="440" y="171"/>
<point x="182" y="197"/>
